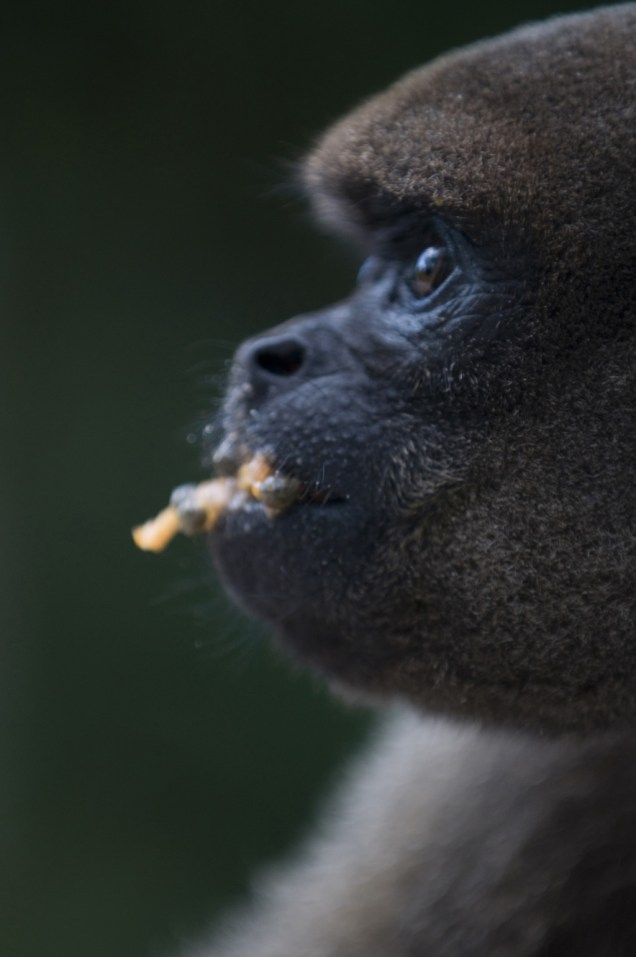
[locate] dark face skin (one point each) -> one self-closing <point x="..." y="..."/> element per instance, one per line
<point x="462" y="425"/>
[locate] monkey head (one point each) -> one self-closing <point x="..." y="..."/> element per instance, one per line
<point x="460" y="433"/>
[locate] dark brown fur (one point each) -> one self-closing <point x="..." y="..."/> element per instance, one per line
<point x="481" y="562"/>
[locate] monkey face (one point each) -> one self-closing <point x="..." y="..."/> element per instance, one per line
<point x="364" y="410"/>
<point x="458" y="519"/>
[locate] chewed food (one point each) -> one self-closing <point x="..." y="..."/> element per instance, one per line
<point x="195" y="509"/>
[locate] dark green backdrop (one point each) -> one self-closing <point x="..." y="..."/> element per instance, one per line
<point x="153" y="753"/>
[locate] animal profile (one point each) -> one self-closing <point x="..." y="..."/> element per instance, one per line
<point x="444" y="520"/>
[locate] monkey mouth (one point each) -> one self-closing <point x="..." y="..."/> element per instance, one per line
<point x="257" y="478"/>
<point x="242" y="480"/>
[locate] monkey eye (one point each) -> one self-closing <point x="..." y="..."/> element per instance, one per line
<point x="431" y="269"/>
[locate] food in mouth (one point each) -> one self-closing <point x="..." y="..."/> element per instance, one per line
<point x="195" y="509"/>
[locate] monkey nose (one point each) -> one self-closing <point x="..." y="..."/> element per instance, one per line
<point x="269" y="360"/>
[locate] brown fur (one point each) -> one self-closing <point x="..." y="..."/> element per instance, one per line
<point x="482" y="563"/>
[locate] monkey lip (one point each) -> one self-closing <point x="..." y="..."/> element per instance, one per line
<point x="262" y="481"/>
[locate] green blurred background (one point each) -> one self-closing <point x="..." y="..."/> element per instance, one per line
<point x="153" y="751"/>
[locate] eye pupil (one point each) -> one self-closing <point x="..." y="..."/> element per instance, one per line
<point x="431" y="268"/>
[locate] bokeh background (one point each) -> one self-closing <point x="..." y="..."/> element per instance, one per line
<point x="154" y="752"/>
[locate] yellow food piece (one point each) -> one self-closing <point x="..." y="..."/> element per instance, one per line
<point x="155" y="534"/>
<point x="252" y="473"/>
<point x="211" y="498"/>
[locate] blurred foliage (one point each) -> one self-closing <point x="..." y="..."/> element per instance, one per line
<point x="153" y="750"/>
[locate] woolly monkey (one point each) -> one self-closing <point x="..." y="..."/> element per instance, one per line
<point x="455" y="449"/>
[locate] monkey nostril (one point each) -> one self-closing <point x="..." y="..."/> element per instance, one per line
<point x="283" y="357"/>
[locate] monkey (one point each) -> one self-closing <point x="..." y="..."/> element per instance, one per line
<point x="459" y="549"/>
